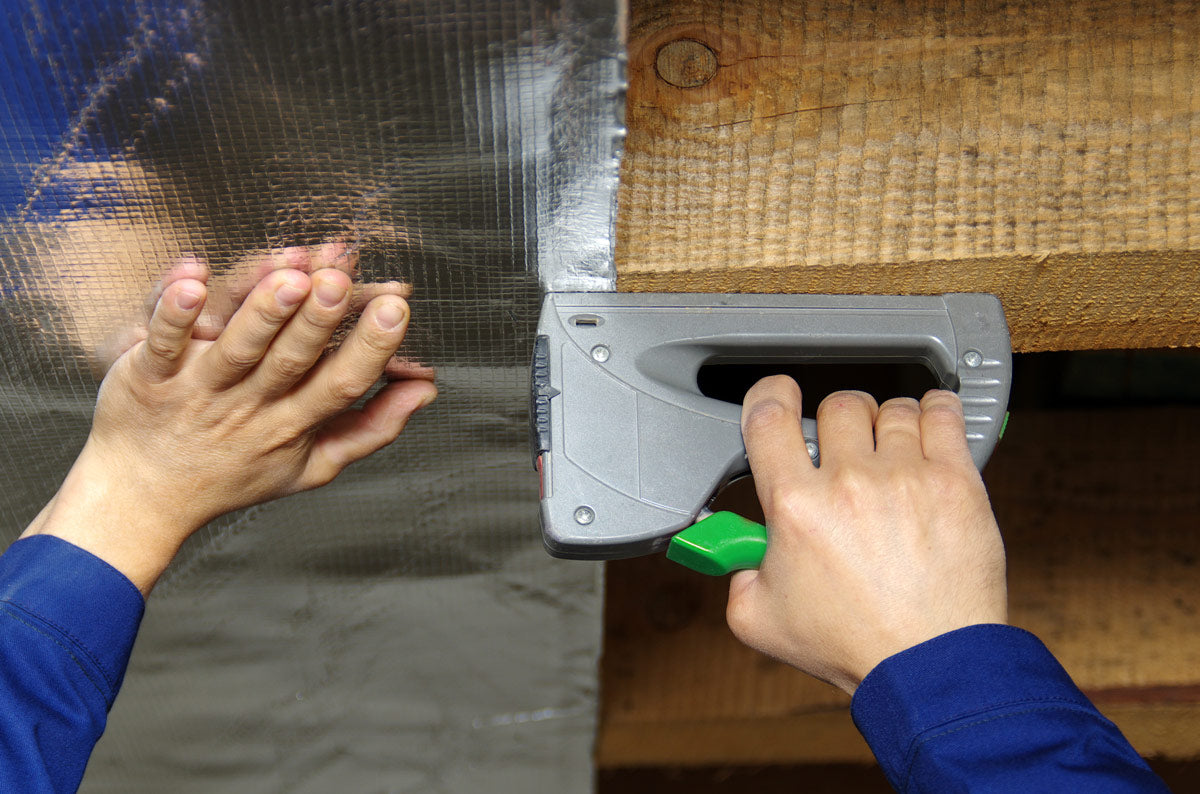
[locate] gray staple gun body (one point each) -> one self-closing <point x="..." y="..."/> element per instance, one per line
<point x="629" y="449"/>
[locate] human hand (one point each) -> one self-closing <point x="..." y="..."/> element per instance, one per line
<point x="187" y="429"/>
<point x="891" y="542"/>
<point x="228" y="289"/>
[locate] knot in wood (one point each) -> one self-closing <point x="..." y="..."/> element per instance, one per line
<point x="685" y="63"/>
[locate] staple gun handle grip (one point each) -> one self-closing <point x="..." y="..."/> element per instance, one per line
<point x="719" y="544"/>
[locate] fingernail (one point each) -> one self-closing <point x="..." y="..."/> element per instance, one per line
<point x="289" y="294"/>
<point x="427" y="399"/>
<point x="330" y="293"/>
<point x="389" y="316"/>
<point x="187" y="300"/>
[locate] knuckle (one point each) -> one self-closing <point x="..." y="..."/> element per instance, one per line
<point x="267" y="309"/>
<point x="321" y="320"/>
<point x="852" y="487"/>
<point x="763" y="416"/>
<point x="850" y="480"/>
<point x="902" y="406"/>
<point x="939" y="399"/>
<point x="944" y="414"/>
<point x="900" y="412"/>
<point x="289" y="365"/>
<point x="285" y="436"/>
<point x="784" y="503"/>
<point x="778" y="387"/>
<point x="904" y="485"/>
<point x="171" y="319"/>
<point x="161" y="348"/>
<point x="345" y="389"/>
<point x="239" y="357"/>
<point x="780" y="383"/>
<point x="379" y="343"/>
<point x="845" y="401"/>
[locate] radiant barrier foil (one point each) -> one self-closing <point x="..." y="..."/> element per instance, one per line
<point x="402" y="629"/>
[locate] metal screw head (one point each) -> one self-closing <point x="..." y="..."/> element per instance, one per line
<point x="584" y="515"/>
<point x="812" y="448"/>
<point x="600" y="354"/>
<point x="972" y="358"/>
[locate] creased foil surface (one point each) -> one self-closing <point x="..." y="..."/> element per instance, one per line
<point x="402" y="629"/>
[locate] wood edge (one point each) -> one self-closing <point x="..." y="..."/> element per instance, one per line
<point x="807" y="738"/>
<point x="1164" y="727"/>
<point x="1034" y="290"/>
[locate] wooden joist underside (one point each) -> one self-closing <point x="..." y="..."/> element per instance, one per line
<point x="1098" y="511"/>
<point x="1046" y="152"/>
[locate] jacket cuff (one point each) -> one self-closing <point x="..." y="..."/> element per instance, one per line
<point x="960" y="674"/>
<point x="83" y="599"/>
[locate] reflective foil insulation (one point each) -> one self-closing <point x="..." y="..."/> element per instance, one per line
<point x="401" y="630"/>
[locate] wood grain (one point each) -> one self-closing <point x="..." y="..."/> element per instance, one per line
<point x="1047" y="152"/>
<point x="1100" y="516"/>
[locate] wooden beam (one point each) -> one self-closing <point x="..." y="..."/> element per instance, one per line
<point x="1047" y="152"/>
<point x="1098" y="511"/>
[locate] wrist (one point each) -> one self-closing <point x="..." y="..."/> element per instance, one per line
<point x="109" y="511"/>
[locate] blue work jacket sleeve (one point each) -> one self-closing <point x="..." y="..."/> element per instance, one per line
<point x="989" y="709"/>
<point x="67" y="625"/>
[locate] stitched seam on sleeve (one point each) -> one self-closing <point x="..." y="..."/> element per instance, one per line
<point x="82" y="646"/>
<point x="67" y="648"/>
<point x="918" y="743"/>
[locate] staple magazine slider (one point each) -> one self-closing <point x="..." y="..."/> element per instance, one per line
<point x="629" y="450"/>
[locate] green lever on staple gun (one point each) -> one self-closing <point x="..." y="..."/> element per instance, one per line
<point x="722" y="543"/>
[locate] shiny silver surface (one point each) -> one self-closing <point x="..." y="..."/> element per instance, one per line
<point x="401" y="630"/>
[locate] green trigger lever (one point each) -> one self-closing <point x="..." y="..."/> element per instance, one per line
<point x="722" y="543"/>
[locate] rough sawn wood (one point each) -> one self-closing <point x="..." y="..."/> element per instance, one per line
<point x="1048" y="152"/>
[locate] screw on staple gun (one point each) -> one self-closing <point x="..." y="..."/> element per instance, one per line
<point x="631" y="450"/>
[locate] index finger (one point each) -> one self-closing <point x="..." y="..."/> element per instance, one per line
<point x="774" y="439"/>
